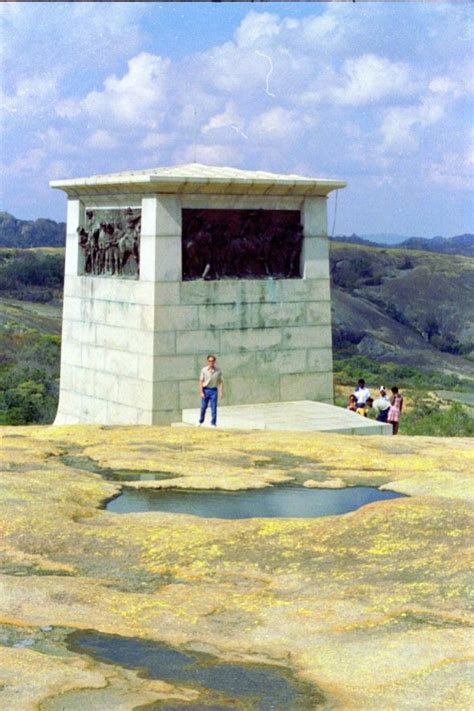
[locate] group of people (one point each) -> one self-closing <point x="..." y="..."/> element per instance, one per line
<point x="387" y="408"/>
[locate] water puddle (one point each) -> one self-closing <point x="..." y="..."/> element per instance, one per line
<point x="271" y="502"/>
<point x="222" y="685"/>
<point x="89" y="465"/>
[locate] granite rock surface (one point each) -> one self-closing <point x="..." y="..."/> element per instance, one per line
<point x="371" y="607"/>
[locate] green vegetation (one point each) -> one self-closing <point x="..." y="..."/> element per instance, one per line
<point x="29" y="351"/>
<point x="29" y="375"/>
<point x="349" y="368"/>
<point x="431" y="419"/>
<point x="32" y="275"/>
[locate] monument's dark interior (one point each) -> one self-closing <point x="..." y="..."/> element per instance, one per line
<point x="241" y="244"/>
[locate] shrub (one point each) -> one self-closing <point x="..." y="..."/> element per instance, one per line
<point x="29" y="376"/>
<point x="348" y="368"/>
<point x="24" y="273"/>
<point x="431" y="420"/>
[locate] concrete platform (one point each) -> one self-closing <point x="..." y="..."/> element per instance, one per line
<point x="304" y="415"/>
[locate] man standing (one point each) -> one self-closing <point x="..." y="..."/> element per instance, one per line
<point x="362" y="394"/>
<point x="210" y="381"/>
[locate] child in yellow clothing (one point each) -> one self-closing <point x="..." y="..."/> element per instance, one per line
<point x="363" y="409"/>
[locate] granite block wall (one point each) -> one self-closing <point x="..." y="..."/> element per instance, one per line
<point x="132" y="349"/>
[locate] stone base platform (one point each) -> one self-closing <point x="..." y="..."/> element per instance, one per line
<point x="304" y="415"/>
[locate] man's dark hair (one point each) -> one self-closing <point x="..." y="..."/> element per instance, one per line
<point x="361" y="381"/>
<point x="211" y="356"/>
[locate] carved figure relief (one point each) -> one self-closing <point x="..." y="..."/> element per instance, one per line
<point x="241" y="244"/>
<point x="110" y="242"/>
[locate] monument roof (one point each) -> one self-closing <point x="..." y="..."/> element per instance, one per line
<point x="198" y="179"/>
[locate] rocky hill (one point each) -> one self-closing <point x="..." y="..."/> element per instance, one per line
<point x="460" y="244"/>
<point x="31" y="233"/>
<point x="401" y="306"/>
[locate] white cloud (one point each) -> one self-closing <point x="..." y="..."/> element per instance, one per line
<point x="31" y="96"/>
<point x="370" y="78"/>
<point x="45" y="35"/>
<point x="152" y="141"/>
<point x="362" y="92"/>
<point x="57" y="169"/>
<point x="58" y="141"/>
<point x="322" y="28"/>
<point x="137" y="98"/>
<point x="442" y="85"/>
<point x="188" y="116"/>
<point x="102" y="140"/>
<point x="68" y="109"/>
<point x="209" y="154"/>
<point x="280" y="123"/>
<point x="27" y="163"/>
<point x="227" y="119"/>
<point x="400" y="124"/>
<point x="231" y="69"/>
<point x="454" y="170"/>
<point x="257" y="26"/>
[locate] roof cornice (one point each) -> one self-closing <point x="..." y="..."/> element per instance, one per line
<point x="198" y="179"/>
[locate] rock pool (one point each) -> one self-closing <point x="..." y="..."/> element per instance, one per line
<point x="222" y="685"/>
<point x="270" y="502"/>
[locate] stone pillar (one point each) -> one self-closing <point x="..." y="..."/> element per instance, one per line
<point x="315" y="271"/>
<point x="160" y="242"/>
<point x="315" y="253"/>
<point x="160" y="264"/>
<point x="68" y="400"/>
<point x="74" y="257"/>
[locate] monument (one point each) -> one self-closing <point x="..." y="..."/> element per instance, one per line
<point x="166" y="265"/>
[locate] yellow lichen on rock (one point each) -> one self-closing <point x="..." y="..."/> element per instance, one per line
<point x="370" y="606"/>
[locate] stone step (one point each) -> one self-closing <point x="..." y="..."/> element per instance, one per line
<point x="304" y="415"/>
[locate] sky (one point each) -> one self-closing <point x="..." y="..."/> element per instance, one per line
<point x="378" y="94"/>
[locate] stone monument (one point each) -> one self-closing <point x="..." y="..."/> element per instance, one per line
<point x="166" y="265"/>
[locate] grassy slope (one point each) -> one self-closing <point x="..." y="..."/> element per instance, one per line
<point x="45" y="318"/>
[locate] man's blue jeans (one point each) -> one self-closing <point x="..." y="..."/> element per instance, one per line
<point x="210" y="396"/>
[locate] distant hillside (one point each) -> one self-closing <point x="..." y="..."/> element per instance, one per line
<point x="387" y="238"/>
<point x="403" y="306"/>
<point x="31" y="233"/>
<point x="382" y="239"/>
<point x="459" y="244"/>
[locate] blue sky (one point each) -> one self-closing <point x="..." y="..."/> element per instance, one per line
<point x="375" y="93"/>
